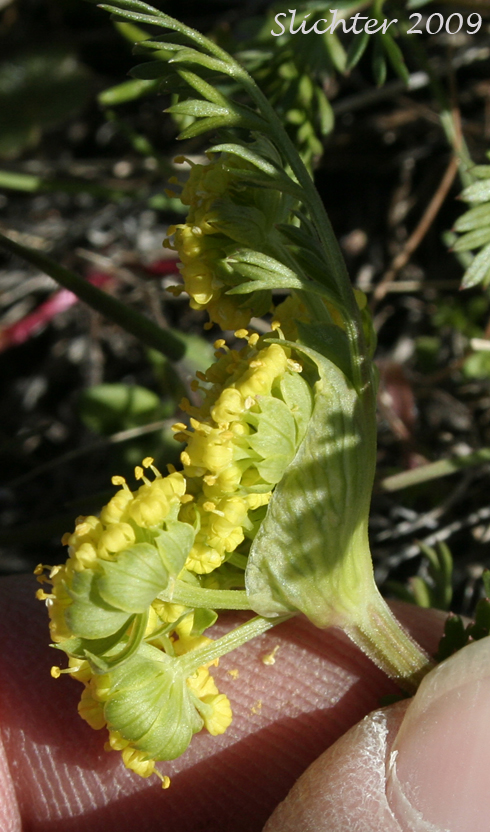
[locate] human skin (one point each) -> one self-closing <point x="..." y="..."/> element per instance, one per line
<point x="55" y="775"/>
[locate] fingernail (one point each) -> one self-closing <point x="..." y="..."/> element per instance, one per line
<point x="439" y="773"/>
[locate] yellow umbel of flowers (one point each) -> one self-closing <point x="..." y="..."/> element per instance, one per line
<point x="221" y="460"/>
<point x="179" y="527"/>
<point x="214" y="230"/>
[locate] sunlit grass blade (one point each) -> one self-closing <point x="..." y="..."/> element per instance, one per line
<point x="168" y="343"/>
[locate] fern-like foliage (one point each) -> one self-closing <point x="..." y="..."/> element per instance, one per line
<point x="295" y="71"/>
<point x="215" y="93"/>
<point x="473" y="228"/>
<point x="433" y="588"/>
<point x="457" y="634"/>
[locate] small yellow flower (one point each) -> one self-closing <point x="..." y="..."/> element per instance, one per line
<point x="217" y="713"/>
<point x="202" y="683"/>
<point x="115" y="538"/>
<point x="117" y="505"/>
<point x="138" y="762"/>
<point x="90" y="709"/>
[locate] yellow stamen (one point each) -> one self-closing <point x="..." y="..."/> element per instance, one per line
<point x="139" y="474"/>
<point x="116" y="480"/>
<point x="41" y="595"/>
<point x="270" y="658"/>
<point x="148" y="463"/>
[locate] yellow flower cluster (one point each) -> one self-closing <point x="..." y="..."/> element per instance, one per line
<point x="182" y="526"/>
<point x="220" y="461"/>
<point x="101" y="538"/>
<point x="125" y="520"/>
<point x="207" y="237"/>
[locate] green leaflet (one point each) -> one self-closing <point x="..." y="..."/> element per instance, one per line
<point x="479" y="269"/>
<point x="473" y="239"/>
<point x="245" y="224"/>
<point x="150" y="704"/>
<point x="275" y="437"/>
<point x="133" y="580"/>
<point x="80" y="647"/>
<point x="474" y="218"/>
<point x="89" y="615"/>
<point x="477" y="192"/>
<point x="311" y="552"/>
<point x="203" y="619"/>
<point x="298" y="397"/>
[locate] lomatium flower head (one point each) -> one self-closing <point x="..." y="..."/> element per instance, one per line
<point x="223" y="217"/>
<point x="111" y="610"/>
<point x="129" y="648"/>
<point x="255" y="401"/>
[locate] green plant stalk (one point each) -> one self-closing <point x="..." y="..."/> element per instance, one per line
<point x="197" y="597"/>
<point x="433" y="471"/>
<point x="390" y="648"/>
<point x="165" y="341"/>
<point x="376" y="631"/>
<point x="367" y="620"/>
<point x="16" y="181"/>
<point x="240" y="635"/>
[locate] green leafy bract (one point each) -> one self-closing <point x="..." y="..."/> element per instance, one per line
<point x="89" y="615"/>
<point x="275" y="437"/>
<point x="311" y="552"/>
<point x="133" y="580"/>
<point x="149" y="704"/>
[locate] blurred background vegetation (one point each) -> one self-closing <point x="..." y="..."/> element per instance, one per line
<point x="85" y="157"/>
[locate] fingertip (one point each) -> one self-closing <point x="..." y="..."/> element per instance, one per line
<point x="10" y="820"/>
<point x="346" y="787"/>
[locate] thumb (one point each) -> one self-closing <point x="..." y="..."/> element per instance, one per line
<point x="417" y="766"/>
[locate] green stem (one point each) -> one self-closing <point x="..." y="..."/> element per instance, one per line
<point x="434" y="470"/>
<point x="240" y="635"/>
<point x="197" y="597"/>
<point x="16" y="181"/>
<point x="381" y="637"/>
<point x="166" y="342"/>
